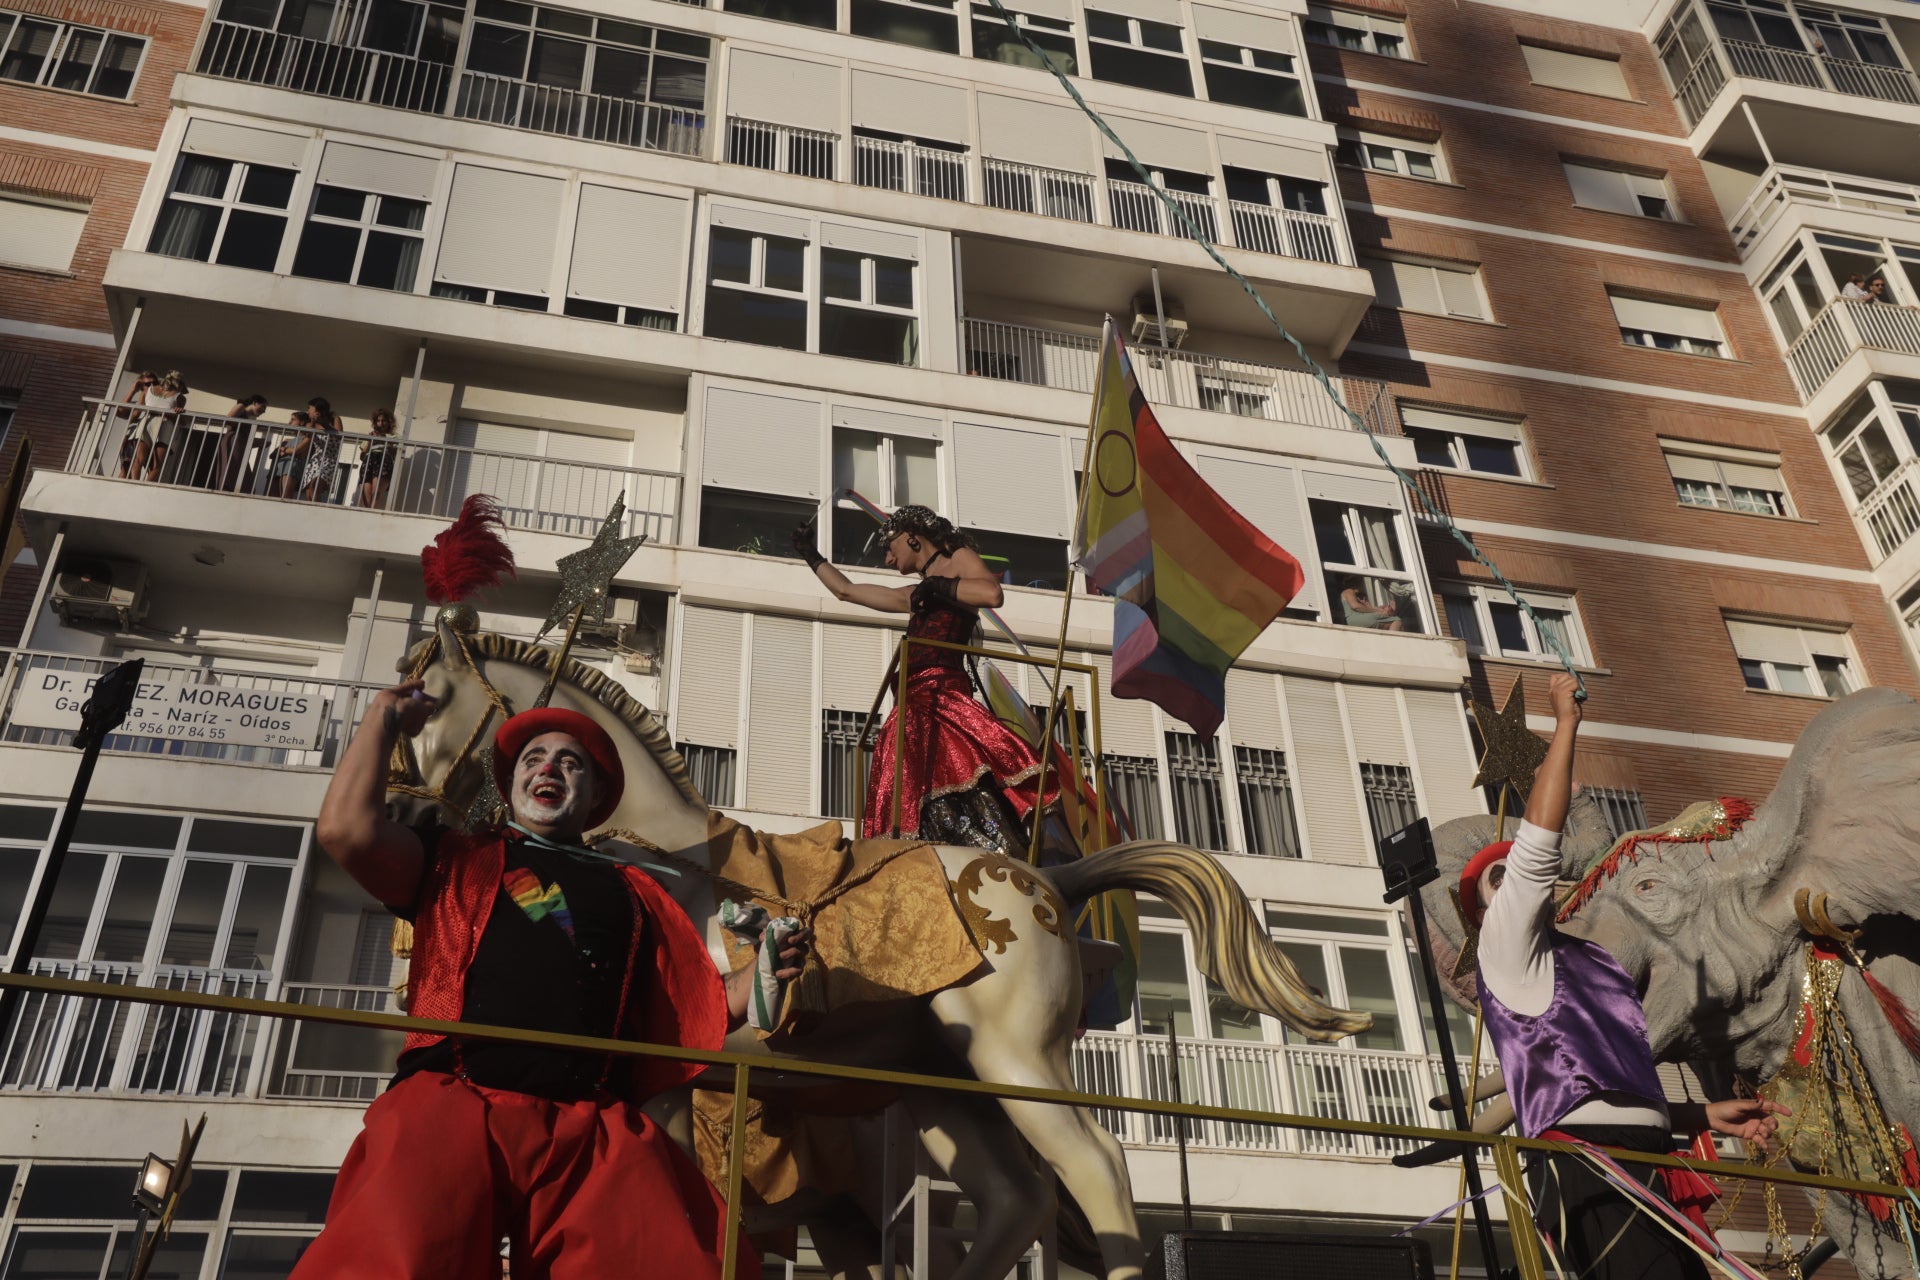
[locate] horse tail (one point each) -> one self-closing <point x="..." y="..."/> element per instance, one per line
<point x="1233" y="948"/>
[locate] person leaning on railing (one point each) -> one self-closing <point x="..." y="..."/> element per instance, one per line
<point x="230" y="455"/>
<point x="144" y="452"/>
<point x="377" y="460"/>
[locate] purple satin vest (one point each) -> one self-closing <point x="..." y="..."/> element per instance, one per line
<point x="1592" y="1039"/>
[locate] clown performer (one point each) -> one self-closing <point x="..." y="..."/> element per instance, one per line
<point x="521" y="926"/>
<point x="966" y="778"/>
<point x="1571" y="1037"/>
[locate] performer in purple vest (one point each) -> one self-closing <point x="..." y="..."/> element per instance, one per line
<point x="1571" y="1036"/>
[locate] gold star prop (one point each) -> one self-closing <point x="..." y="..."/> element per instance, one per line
<point x="1513" y="751"/>
<point x="586" y="575"/>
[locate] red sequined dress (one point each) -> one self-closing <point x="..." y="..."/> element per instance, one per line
<point x="967" y="778"/>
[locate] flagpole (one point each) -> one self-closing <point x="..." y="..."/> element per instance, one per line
<point x="1087" y="479"/>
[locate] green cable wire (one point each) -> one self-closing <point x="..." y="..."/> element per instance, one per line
<point x="1314" y="367"/>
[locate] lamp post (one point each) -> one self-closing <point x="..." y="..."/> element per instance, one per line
<point x="150" y="1200"/>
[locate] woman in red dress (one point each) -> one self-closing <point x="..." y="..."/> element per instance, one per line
<point x="966" y="779"/>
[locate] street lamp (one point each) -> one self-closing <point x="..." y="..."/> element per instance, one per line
<point x="150" y="1196"/>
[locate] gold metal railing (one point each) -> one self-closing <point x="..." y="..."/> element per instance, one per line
<point x="1505" y="1149"/>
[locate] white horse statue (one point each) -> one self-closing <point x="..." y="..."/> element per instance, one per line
<point x="1013" y="1023"/>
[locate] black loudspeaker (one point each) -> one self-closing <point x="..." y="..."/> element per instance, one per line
<point x="1407" y="859"/>
<point x="1252" y="1255"/>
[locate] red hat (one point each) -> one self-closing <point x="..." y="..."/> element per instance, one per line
<point x="1470" y="879"/>
<point x="513" y="736"/>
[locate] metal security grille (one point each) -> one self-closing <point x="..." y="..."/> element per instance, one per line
<point x="1134" y="784"/>
<point x="1623" y="808"/>
<point x="1266" y="802"/>
<point x="1391" y="803"/>
<point x="840" y="790"/>
<point x="711" y="769"/>
<point x="1199" y="813"/>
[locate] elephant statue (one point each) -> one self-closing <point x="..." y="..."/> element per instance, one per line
<point x="1712" y="933"/>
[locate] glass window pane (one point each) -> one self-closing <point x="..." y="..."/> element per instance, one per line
<point x="76" y="61"/>
<point x="79" y="1191"/>
<point x="1370" y="990"/>
<point x="132" y="904"/>
<point x="25" y="822"/>
<point x="1164" y="994"/>
<point x="409" y="215"/>
<point x="1373" y="926"/>
<point x="176" y="1258"/>
<point x="1553" y="625"/>
<point x="1879" y="452"/>
<point x="72" y="907"/>
<point x="1431" y="448"/>
<point x="338" y="202"/>
<point x="730" y="256"/>
<point x="248" y="839"/>
<point x="840" y="274"/>
<point x="1463" y="623"/>
<point x="558" y="64"/>
<point x="119" y="829"/>
<point x="185" y="230"/>
<point x="1330" y="533"/>
<point x="786" y="264"/>
<point x="255" y="938"/>
<point x="497" y="51"/>
<point x="752" y="317"/>
<point x="196" y="913"/>
<point x="893" y="282"/>
<point x="620" y="73"/>
<point x="1383" y="548"/>
<point x="27" y="52"/>
<point x="856" y="463"/>
<point x="255" y="1257"/>
<point x="265" y="1196"/>
<point x="1792" y="679"/>
<point x="252" y="240"/>
<point x="267" y="187"/>
<point x="1230" y="1020"/>
<point x="1754" y="673"/>
<point x="1310" y="959"/>
<point x="389" y="261"/>
<point x="1500" y="457"/>
<point x="326" y="252"/>
<point x="16" y="873"/>
<point x="1508" y="631"/>
<point x="57" y="1255"/>
<point x="916" y="472"/>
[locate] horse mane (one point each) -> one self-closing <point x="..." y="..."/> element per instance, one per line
<point x="597" y="685"/>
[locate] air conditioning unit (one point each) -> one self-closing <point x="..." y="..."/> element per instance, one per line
<point x="623" y="613"/>
<point x="100" y="591"/>
<point x="1146" y="322"/>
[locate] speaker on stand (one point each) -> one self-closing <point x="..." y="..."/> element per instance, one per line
<point x="1257" y="1255"/>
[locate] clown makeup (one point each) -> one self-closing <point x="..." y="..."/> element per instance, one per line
<point x="1490" y="881"/>
<point x="554" y="786"/>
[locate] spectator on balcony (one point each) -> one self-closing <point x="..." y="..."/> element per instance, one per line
<point x="150" y="427"/>
<point x="1358" y="611"/>
<point x="290" y="458"/>
<point x="1855" y="290"/>
<point x="1877" y="289"/>
<point x="378" y="458"/>
<point x="236" y="441"/>
<point x="323" y="451"/>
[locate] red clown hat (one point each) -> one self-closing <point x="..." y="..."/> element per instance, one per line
<point x="1470" y="879"/>
<point x="513" y="736"/>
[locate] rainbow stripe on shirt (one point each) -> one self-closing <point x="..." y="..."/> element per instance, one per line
<point x="539" y="901"/>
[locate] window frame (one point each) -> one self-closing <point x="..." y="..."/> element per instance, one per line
<point x="1041" y="26"/>
<point x="1354" y="529"/>
<point x="868" y="301"/>
<point x="1455" y="438"/>
<point x="1407" y="1005"/>
<point x="1719" y="456"/>
<point x="887" y="495"/>
<point x="366" y="227"/>
<point x="1135" y="44"/>
<point x="1716" y="348"/>
<point x="1627" y="178"/>
<point x="228" y="203"/>
<point x="11" y="23"/>
<point x="1354" y="149"/>
<point x="1481" y="597"/>
<point x="813" y="284"/>
<point x="1471" y="272"/>
<point x="1767" y="670"/>
<point x="1248" y="63"/>
<point x="1368" y="26"/>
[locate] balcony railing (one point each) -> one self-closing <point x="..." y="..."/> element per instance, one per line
<point x="783" y="148"/>
<point x="234" y="51"/>
<point x="232" y="455"/>
<point x="1335" y="1083"/>
<point x="1845" y="327"/>
<point x="1287" y="232"/>
<point x="1135" y="206"/>
<point x="1027" y="188"/>
<point x="1892" y="511"/>
<point x="1709" y="73"/>
<point x="1188" y="379"/>
<point x="1783" y="186"/>
<point x="317" y="1062"/>
<point x="909" y="167"/>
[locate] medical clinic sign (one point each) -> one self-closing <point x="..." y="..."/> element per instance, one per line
<point x="169" y="706"/>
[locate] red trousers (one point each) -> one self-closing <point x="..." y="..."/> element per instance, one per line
<point x="582" y="1191"/>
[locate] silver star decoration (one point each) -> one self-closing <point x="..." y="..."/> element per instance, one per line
<point x="586" y="575"/>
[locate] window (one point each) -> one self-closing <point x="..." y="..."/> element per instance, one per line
<point x="756" y="523"/>
<point x="1730" y="479"/>
<point x="756" y="288"/>
<point x="1199" y="813"/>
<point x="1339" y="956"/>
<point x="1787" y="659"/>
<point x="1266" y="802"/>
<point x="711" y="769"/>
<point x="1466" y="442"/>
<point x="1133" y="788"/>
<point x="59" y="55"/>
<point x="560" y="71"/>
<point x="1868" y="456"/>
<point x="924" y="24"/>
<point x="1420" y="286"/>
<point x="40" y="233"/>
<point x="1360" y="32"/>
<point x="1669" y="326"/>
<point x="1580" y="72"/>
<point x="225" y="211"/>
<point x="1366" y="571"/>
<point x="1391" y="803"/>
<point x="1136" y="51"/>
<point x="1491" y="623"/>
<point x="1053" y="36"/>
<point x="807" y="13"/>
<point x="1247" y="77"/>
<point x="1622" y="808"/>
<point x="358" y="237"/>
<point x="867" y="309"/>
<point x="1255" y="204"/>
<point x="841" y="792"/>
<point x="1136" y="207"/>
<point x="888" y="470"/>
<point x="1793" y="296"/>
<point x="1617" y="191"/>
<point x="1859" y="38"/>
<point x="898" y="162"/>
<point x="1383" y="154"/>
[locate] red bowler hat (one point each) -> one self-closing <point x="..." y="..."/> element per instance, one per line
<point x="1470" y="879"/>
<point x="513" y="736"/>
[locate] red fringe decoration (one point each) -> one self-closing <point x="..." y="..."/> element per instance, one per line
<point x="468" y="555"/>
<point x="1738" y="812"/>
<point x="1898" y="1015"/>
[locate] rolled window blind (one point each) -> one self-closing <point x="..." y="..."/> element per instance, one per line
<point x="1253" y="30"/>
<point x="1374" y="713"/>
<point x="629" y="247"/>
<point x="1462" y="423"/>
<point x="1444" y="753"/>
<point x="370" y="169"/>
<point x="1325" y="773"/>
<point x="915" y="108"/>
<point x="1269" y="157"/>
<point x="1161" y="146"/>
<point x="781" y="90"/>
<point x="238" y="142"/>
<point x="1036" y="133"/>
<point x="1667" y="317"/>
<point x="1600" y="188"/>
<point x="762" y="443"/>
<point x="1576" y="71"/>
<point x="707" y="705"/>
<point x="501" y="229"/>
<point x="1758" y="642"/>
<point x="781" y="727"/>
<point x="36" y="234"/>
<point x="1269" y="496"/>
<point x="1011" y="480"/>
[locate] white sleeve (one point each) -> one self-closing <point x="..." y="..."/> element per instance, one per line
<point x="1516" y="958"/>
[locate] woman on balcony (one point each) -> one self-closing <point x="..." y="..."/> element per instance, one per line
<point x="964" y="778"/>
<point x="377" y="459"/>
<point x="144" y="452"/>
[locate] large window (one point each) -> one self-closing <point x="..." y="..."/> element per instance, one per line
<point x="1266" y="802"/>
<point x="1348" y="958"/>
<point x="867" y="307"/>
<point x="60" y="55"/>
<point x="1620" y="191"/>
<point x="1133" y="786"/>
<point x="1199" y="812"/>
<point x="1383" y="154"/>
<point x="1580" y="72"/>
<point x="1391" y="802"/>
<point x="1466" y="442"/>
<point x="1052" y="36"/>
<point x="1360" y="32"/>
<point x="1366" y="570"/>
<point x="758" y="290"/>
<point x="924" y="24"/>
<point x="225" y="211"/>
<point x="1868" y="454"/>
<point x="1139" y="52"/>
<point x="1491" y="623"/>
<point x="1668" y="326"/>
<point x="841" y="792"/>
<point x="358" y="237"/>
<point x="1729" y="479"/>
<point x="1248" y="77"/>
<point x="1793" y="295"/>
<point x="1785" y="659"/>
<point x="888" y="470"/>
<point x="1434" y="288"/>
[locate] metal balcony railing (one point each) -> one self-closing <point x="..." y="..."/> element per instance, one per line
<point x="909" y="167"/>
<point x="1027" y="188"/>
<point x="233" y="455"/>
<point x="235" y="51"/>
<point x="1892" y="511"/>
<point x="1783" y="186"/>
<point x="1844" y="327"/>
<point x="1708" y="74"/>
<point x="1289" y="233"/>
<point x="1137" y="207"/>
<point x="783" y="148"/>
<point x="1188" y="379"/>
<point x="318" y="1063"/>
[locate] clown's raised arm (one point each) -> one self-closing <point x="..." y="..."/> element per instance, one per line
<point x="384" y="857"/>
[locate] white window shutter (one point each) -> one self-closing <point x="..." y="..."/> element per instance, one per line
<point x="1599" y="188"/>
<point x="915" y="108"/>
<point x="853" y="659"/>
<point x="1374" y="714"/>
<point x="1167" y="11"/>
<point x="761" y="443"/>
<point x="882" y="244"/>
<point x="1460" y="292"/>
<point x="1744" y="476"/>
<point x="1253" y="30"/>
<point x="780" y="716"/>
<point x="1126" y="724"/>
<point x="707" y="692"/>
<point x="1324" y="773"/>
<point x="1269" y="497"/>
<point x="1687" y="467"/>
<point x="1464" y="423"/>
<point x="884" y="422"/>
<point x="1417" y="288"/>
<point x="1445" y="754"/>
<point x="1036" y="133"/>
<point x="36" y="234"/>
<point x="1359" y="491"/>
<point x="1758" y="642"/>
<point x="1667" y="317"/>
<point x="1009" y="480"/>
<point x="1160" y="146"/>
<point x="780" y="90"/>
<point x="393" y="173"/>
<point x="1577" y="71"/>
<point x="629" y="247"/>
<point x="1253" y="709"/>
<point x="238" y="142"/>
<point x="501" y="229"/>
<point x="1271" y="157"/>
<point x="770" y="224"/>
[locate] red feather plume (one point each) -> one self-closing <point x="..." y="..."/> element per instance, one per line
<point x="468" y="555"/>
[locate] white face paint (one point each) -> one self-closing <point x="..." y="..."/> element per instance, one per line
<point x="555" y="786"/>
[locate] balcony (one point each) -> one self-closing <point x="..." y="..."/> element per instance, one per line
<point x="910" y="167"/>
<point x="1891" y="512"/>
<point x="255" y="459"/>
<point x="1782" y="187"/>
<point x="1186" y="379"/>
<point x="234" y="51"/>
<point x="1700" y="64"/>
<point x="1027" y="188"/>
<point x="1843" y="328"/>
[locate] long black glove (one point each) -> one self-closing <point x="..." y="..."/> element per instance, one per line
<point x="806" y="545"/>
<point x="934" y="589"/>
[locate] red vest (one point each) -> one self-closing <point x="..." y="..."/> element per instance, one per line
<point x="675" y="996"/>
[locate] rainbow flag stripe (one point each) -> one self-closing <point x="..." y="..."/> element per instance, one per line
<point x="1193" y="581"/>
<point x="539" y="901"/>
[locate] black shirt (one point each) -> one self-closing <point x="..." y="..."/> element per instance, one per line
<point x="553" y="961"/>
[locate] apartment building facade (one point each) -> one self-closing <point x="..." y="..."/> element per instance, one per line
<point x="725" y="262"/>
